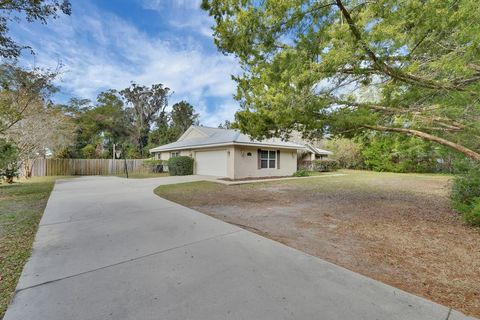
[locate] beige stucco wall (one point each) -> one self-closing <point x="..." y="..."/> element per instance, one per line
<point x="229" y="151"/>
<point x="247" y="166"/>
<point x="166" y="155"/>
<point x="240" y="165"/>
<point x="229" y="158"/>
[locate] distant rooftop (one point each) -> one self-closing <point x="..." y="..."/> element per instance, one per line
<point x="316" y="150"/>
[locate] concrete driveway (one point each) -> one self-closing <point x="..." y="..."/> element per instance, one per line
<point x="108" y="248"/>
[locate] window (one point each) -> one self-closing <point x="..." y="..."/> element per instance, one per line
<point x="268" y="159"/>
<point x="174" y="154"/>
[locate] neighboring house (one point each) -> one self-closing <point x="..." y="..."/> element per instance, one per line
<point x="313" y="153"/>
<point x="230" y="154"/>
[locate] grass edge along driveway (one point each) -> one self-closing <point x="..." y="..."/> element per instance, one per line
<point x="21" y="208"/>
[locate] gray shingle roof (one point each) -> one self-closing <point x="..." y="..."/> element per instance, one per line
<point x="317" y="150"/>
<point x="217" y="136"/>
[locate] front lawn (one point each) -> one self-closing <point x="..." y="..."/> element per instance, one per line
<point x="21" y="207"/>
<point x="396" y="228"/>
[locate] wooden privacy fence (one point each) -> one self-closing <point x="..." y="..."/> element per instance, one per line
<point x="86" y="167"/>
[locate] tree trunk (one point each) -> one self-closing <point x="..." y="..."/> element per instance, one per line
<point x="28" y="167"/>
<point x="455" y="146"/>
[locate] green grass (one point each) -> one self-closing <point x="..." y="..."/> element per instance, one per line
<point x="21" y="207"/>
<point x="348" y="180"/>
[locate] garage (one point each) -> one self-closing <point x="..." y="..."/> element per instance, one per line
<point x="211" y="163"/>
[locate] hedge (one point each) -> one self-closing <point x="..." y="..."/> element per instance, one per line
<point x="323" y="165"/>
<point x="155" y="165"/>
<point x="180" y="166"/>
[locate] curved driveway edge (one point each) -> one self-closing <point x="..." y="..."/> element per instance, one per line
<point x="108" y="248"/>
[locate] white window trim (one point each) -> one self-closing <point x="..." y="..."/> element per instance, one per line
<point x="268" y="159"/>
<point x="174" y="154"/>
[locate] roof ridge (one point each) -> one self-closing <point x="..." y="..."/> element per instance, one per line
<point x="207" y="127"/>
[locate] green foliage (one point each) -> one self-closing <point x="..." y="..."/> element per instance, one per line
<point x="472" y="216"/>
<point x="146" y="104"/>
<point x="89" y="152"/>
<point x="325" y="165"/>
<point x="21" y="90"/>
<point x="183" y="116"/>
<point x="180" y="166"/>
<point x="155" y="165"/>
<point x="9" y="172"/>
<point x="348" y="152"/>
<point x="301" y="173"/>
<point x="377" y="156"/>
<point x="38" y="10"/>
<point x="343" y="67"/>
<point x="398" y="153"/>
<point x="466" y="194"/>
<point x="100" y="125"/>
<point x="154" y="162"/>
<point x="170" y="126"/>
<point x="8" y="154"/>
<point x="134" y="120"/>
<point x="8" y="161"/>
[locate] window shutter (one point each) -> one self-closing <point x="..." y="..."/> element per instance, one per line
<point x="278" y="159"/>
<point x="258" y="157"/>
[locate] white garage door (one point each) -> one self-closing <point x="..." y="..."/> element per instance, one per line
<point x="211" y="163"/>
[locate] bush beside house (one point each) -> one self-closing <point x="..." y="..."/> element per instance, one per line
<point x="180" y="166"/>
<point x="301" y="173"/>
<point x="324" y="165"/>
<point x="156" y="166"/>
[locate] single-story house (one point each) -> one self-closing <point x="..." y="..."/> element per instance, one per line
<point x="230" y="154"/>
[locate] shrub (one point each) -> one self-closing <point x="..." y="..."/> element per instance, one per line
<point x="8" y="161"/>
<point x="301" y="173"/>
<point x="466" y="194"/>
<point x="347" y="152"/>
<point x="180" y="166"/>
<point x="9" y="172"/>
<point x="155" y="165"/>
<point x="324" y="165"/>
<point x="89" y="152"/>
<point x="472" y="216"/>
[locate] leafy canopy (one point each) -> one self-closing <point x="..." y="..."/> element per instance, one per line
<point x="345" y="66"/>
<point x="148" y="104"/>
<point x="31" y="10"/>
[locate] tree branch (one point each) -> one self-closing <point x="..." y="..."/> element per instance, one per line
<point x="426" y="136"/>
<point x="394" y="72"/>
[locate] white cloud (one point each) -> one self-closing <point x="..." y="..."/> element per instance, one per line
<point x="161" y="5"/>
<point x="183" y="14"/>
<point x="100" y="50"/>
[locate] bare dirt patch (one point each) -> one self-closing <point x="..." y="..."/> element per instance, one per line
<point x="396" y="228"/>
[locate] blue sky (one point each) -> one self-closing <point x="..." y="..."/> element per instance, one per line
<point x="106" y="44"/>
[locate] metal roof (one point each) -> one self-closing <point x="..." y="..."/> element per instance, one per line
<point x="317" y="150"/>
<point x="220" y="137"/>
